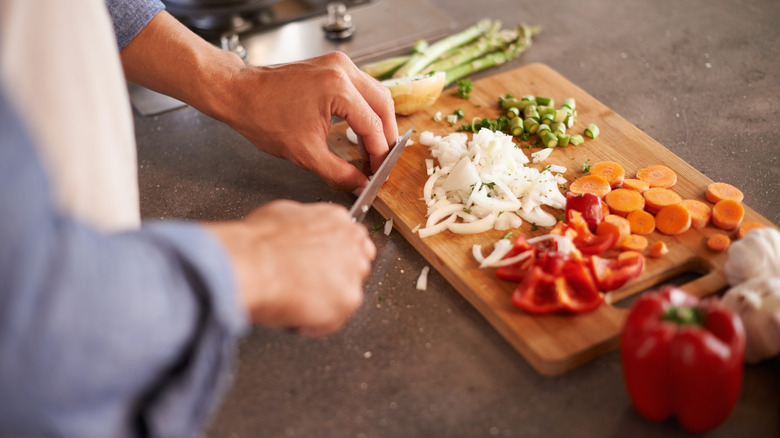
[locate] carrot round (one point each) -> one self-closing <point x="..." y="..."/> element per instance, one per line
<point x="657" y="176"/>
<point x="635" y="184"/>
<point x="634" y="242"/>
<point x="719" y="191"/>
<point x="700" y="212"/>
<point x="605" y="209"/>
<point x="610" y="171"/>
<point x="658" y="249"/>
<point x="673" y="219"/>
<point x="747" y="226"/>
<point x="641" y="222"/>
<point x="718" y="242"/>
<point x="623" y="227"/>
<point x="657" y="198"/>
<point x="624" y="201"/>
<point x="590" y="184"/>
<point x="728" y="214"/>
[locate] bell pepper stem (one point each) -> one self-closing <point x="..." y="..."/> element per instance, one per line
<point x="685" y="315"/>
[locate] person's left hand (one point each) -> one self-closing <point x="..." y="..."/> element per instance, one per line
<point x="286" y="110"/>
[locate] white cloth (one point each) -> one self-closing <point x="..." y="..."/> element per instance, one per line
<point x="84" y="130"/>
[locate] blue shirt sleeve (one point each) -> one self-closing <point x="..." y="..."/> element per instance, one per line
<point x="127" y="334"/>
<point x="130" y="16"/>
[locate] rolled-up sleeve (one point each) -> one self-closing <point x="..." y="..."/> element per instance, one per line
<point x="130" y="334"/>
<point x="130" y="16"/>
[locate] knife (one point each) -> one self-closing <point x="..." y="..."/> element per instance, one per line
<point x="366" y="198"/>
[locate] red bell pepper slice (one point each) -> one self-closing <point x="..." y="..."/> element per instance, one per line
<point x="589" y="205"/>
<point x="516" y="271"/>
<point x="611" y="274"/>
<point x="557" y="283"/>
<point x="682" y="357"/>
<point x="585" y="241"/>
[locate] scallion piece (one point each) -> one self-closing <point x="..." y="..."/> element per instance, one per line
<point x="516" y="126"/>
<point x="592" y="130"/>
<point x="549" y="139"/>
<point x="569" y="103"/>
<point x="530" y="126"/>
<point x="563" y="140"/>
<point x="576" y="140"/>
<point x="531" y="111"/>
<point x="546" y="101"/>
<point x="513" y="113"/>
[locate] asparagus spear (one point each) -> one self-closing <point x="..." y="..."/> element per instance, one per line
<point x="385" y="67"/>
<point x="421" y="60"/>
<point x="474" y="50"/>
<point x="494" y="58"/>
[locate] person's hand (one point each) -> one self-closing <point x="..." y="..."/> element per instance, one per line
<point x="299" y="266"/>
<point x="286" y="110"/>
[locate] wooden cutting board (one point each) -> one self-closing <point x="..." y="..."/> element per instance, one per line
<point x="552" y="344"/>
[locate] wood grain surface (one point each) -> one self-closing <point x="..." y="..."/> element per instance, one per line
<point x="552" y="344"/>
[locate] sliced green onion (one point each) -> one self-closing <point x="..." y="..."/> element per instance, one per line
<point x="531" y="111"/>
<point x="563" y="140"/>
<point x="546" y="101"/>
<point x="513" y="113"/>
<point x="516" y="126"/>
<point x="549" y="139"/>
<point x="592" y="130"/>
<point x="531" y="126"/>
<point x="577" y="140"/>
<point x="569" y="103"/>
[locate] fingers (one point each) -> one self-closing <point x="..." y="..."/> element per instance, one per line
<point x="370" y="112"/>
<point x="335" y="171"/>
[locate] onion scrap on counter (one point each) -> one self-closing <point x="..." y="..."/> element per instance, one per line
<point x="485" y="183"/>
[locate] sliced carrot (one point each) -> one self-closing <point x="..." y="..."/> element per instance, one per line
<point x="657" y="198"/>
<point x="605" y="209"/>
<point x="624" y="228"/>
<point x="747" y="226"/>
<point x="610" y="171"/>
<point x="634" y="242"/>
<point x="700" y="212"/>
<point x="718" y="242"/>
<point x="673" y="219"/>
<point x="636" y="184"/>
<point x="719" y="191"/>
<point x="624" y="201"/>
<point x="641" y="222"/>
<point x="658" y="249"/>
<point x="728" y="214"/>
<point x="590" y="184"/>
<point x="657" y="176"/>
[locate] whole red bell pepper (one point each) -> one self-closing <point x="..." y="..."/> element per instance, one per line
<point x="682" y="357"/>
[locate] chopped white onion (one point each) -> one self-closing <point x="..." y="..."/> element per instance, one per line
<point x="500" y="249"/>
<point x="388" y="226"/>
<point x="541" y="155"/>
<point x="487" y="177"/>
<point x="476" y="251"/>
<point x="512" y="260"/>
<point x="351" y="136"/>
<point x="422" y="280"/>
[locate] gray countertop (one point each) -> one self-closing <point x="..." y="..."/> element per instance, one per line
<point x="702" y="77"/>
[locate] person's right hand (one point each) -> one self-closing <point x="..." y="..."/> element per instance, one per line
<point x="299" y="266"/>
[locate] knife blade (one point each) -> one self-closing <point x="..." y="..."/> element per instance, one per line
<point x="366" y="198"/>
